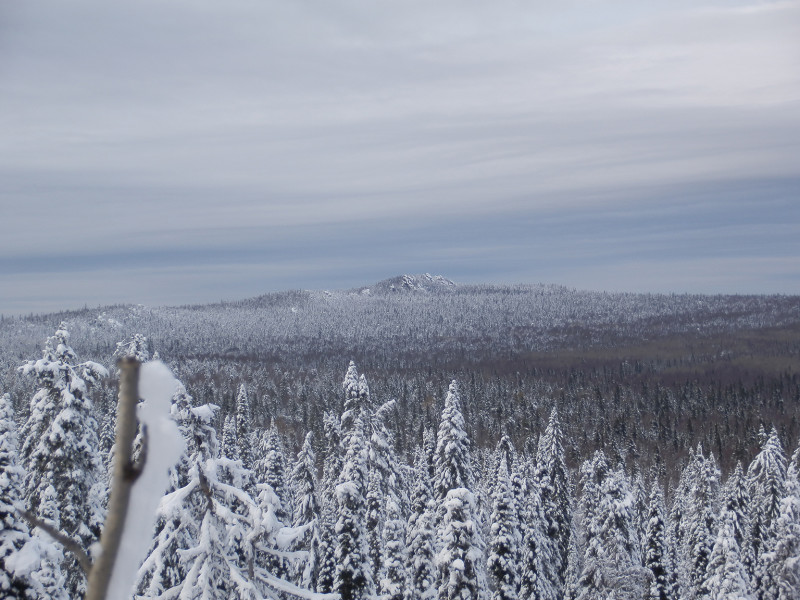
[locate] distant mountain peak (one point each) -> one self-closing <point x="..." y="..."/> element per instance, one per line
<point x="425" y="283"/>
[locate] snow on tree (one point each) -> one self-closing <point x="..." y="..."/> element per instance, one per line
<point x="553" y="485"/>
<point x="612" y="565"/>
<point x="460" y="572"/>
<point x="453" y="465"/>
<point x="136" y="347"/>
<point x="323" y="577"/>
<point x="353" y="573"/>
<point x="19" y="553"/>
<point x="736" y="499"/>
<point x="383" y="483"/>
<point x="656" y="555"/>
<point x="420" y="534"/>
<point x="271" y="469"/>
<point x="701" y="525"/>
<point x="50" y="574"/>
<point x="354" y="400"/>
<point x="229" y="447"/>
<point x="61" y="446"/>
<point x="307" y="506"/>
<point x="533" y="553"/>
<point x="766" y="481"/>
<point x="778" y="568"/>
<point x="393" y="581"/>
<point x="244" y="428"/>
<point x="727" y="577"/>
<point x="503" y="538"/>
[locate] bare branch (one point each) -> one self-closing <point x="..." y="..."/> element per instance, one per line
<point x="62" y="538"/>
<point x="124" y="476"/>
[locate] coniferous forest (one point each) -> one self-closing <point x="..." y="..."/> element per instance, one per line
<point x="418" y="439"/>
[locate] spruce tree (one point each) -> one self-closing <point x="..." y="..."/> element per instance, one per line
<point x="271" y="469"/>
<point x="420" y="537"/>
<point x="244" y="429"/>
<point x="656" y="557"/>
<point x="766" y="480"/>
<point x="17" y="547"/>
<point x="553" y="484"/>
<point x="65" y="455"/>
<point x="460" y="573"/>
<point x="393" y="581"/>
<point x="503" y="542"/>
<point x="307" y="507"/>
<point x="353" y="573"/>
<point x="452" y="462"/>
<point x="726" y="578"/>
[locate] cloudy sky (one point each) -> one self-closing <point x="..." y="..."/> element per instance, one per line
<point x="181" y="151"/>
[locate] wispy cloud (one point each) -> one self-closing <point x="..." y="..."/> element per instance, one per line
<point x="150" y="135"/>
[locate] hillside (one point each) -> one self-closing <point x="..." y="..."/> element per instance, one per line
<point x="634" y="371"/>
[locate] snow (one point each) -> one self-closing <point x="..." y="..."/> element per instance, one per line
<point x="165" y="446"/>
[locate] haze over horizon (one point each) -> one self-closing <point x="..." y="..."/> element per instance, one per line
<point x="176" y="153"/>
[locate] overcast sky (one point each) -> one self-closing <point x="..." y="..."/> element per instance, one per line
<point x="182" y="151"/>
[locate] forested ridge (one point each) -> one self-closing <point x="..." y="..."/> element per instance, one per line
<point x="504" y="441"/>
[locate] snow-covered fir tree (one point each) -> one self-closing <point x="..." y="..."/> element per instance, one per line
<point x="394" y="576"/>
<point x="50" y="575"/>
<point x="459" y="562"/>
<point x="766" y="481"/>
<point x="736" y="500"/>
<point x="612" y="564"/>
<point x="657" y="558"/>
<point x="271" y="468"/>
<point x="244" y="427"/>
<point x="778" y="568"/>
<point x="229" y="447"/>
<point x="307" y="507"/>
<point x="19" y="554"/>
<point x="353" y="570"/>
<point x="503" y="557"/>
<point x="726" y="577"/>
<point x="420" y="534"/>
<point x="553" y="485"/>
<point x="452" y="461"/>
<point x="61" y="448"/>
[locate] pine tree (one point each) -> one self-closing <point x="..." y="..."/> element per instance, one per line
<point x="736" y="500"/>
<point x="781" y="562"/>
<point x="726" y="578"/>
<point x="229" y="448"/>
<point x="206" y="543"/>
<point x="503" y="543"/>
<point x="324" y="577"/>
<point x="16" y="543"/>
<point x="271" y="469"/>
<point x="766" y="481"/>
<point x="553" y="484"/>
<point x="65" y="453"/>
<point x="533" y="552"/>
<point x="612" y="565"/>
<point x="244" y="428"/>
<point x="460" y="574"/>
<point x="383" y="483"/>
<point x="353" y="574"/>
<point x="353" y="404"/>
<point x="394" y="576"/>
<point x="453" y="465"/>
<point x="50" y="574"/>
<point x="655" y="548"/>
<point x="701" y="524"/>
<point x="420" y="540"/>
<point x="307" y="507"/>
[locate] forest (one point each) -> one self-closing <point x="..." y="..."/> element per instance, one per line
<point x="421" y="439"/>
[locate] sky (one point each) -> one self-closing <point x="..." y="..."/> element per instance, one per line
<point x="186" y="151"/>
